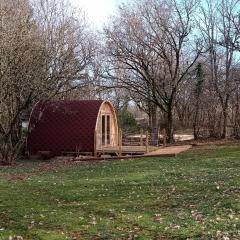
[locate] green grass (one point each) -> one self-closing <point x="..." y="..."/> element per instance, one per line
<point x="195" y="195"/>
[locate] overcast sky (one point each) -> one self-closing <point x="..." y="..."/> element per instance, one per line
<point x="98" y="11"/>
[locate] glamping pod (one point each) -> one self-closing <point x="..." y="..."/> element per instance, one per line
<point x="59" y="127"/>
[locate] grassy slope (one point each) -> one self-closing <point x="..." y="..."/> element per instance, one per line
<point x="195" y="195"/>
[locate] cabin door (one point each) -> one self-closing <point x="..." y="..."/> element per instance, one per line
<point x="106" y="134"/>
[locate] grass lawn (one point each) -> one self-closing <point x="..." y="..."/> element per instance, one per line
<point x="193" y="196"/>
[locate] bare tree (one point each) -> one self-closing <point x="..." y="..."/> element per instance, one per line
<point x="220" y="37"/>
<point x="152" y="43"/>
<point x="198" y="90"/>
<point x="45" y="51"/>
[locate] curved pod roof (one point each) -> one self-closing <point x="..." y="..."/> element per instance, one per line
<point x="63" y="126"/>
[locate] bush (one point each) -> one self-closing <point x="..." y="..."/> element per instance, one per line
<point x="127" y="121"/>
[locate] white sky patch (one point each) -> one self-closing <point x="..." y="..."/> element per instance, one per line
<point x="97" y="11"/>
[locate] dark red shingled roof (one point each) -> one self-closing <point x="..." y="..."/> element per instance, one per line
<point x="63" y="126"/>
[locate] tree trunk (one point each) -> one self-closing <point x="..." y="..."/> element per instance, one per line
<point x="154" y="126"/>
<point x="237" y="118"/>
<point x="9" y="152"/>
<point x="225" y="116"/>
<point x="170" y="137"/>
<point x="196" y="122"/>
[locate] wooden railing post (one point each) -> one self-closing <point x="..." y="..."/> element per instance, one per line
<point x="120" y="141"/>
<point x="147" y="143"/>
<point x="141" y="137"/>
<point x="95" y="144"/>
<point x="164" y="138"/>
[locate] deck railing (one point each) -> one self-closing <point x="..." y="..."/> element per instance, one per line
<point x="141" y="139"/>
<point x="116" y="142"/>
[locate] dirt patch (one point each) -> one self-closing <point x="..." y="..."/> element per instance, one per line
<point x="4" y="164"/>
<point x="19" y="176"/>
<point x="41" y="167"/>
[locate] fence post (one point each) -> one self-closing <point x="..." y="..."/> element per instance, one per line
<point x="141" y="137"/>
<point x="147" y="143"/>
<point x="120" y="141"/>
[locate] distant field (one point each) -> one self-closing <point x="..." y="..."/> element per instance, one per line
<point x="195" y="195"/>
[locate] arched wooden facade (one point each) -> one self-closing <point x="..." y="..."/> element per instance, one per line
<point x="60" y="127"/>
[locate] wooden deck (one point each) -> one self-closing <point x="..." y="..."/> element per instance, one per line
<point x="131" y="152"/>
<point x="126" y="150"/>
